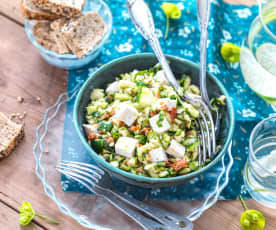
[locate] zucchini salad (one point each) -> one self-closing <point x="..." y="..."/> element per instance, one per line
<point x="139" y="125"/>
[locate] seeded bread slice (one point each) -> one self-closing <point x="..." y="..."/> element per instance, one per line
<point x="31" y="12"/>
<point x="84" y="33"/>
<point x="56" y="26"/>
<point x="66" y="8"/>
<point x="10" y="135"/>
<point x="45" y="36"/>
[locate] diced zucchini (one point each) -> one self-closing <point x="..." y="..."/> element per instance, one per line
<point x="141" y="138"/>
<point x="97" y="94"/>
<point x="115" y="135"/>
<point x="91" y="109"/>
<point x="185" y="82"/>
<point x="122" y="97"/>
<point x="115" y="163"/>
<point x="193" y="165"/>
<point x="123" y="131"/>
<point x="184" y="171"/>
<point x="132" y="162"/>
<point x="190" y="110"/>
<point x="164" y="174"/>
<point x="124" y="166"/>
<point x="105" y="126"/>
<point x="178" y="132"/>
<point x="97" y="145"/>
<point x="145" y="97"/>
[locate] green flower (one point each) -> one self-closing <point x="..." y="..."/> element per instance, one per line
<point x="251" y="219"/>
<point x="27" y="214"/>
<point x="230" y="52"/>
<point x="172" y="12"/>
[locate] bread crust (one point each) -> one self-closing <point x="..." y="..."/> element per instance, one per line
<point x="36" y="15"/>
<point x="58" y="9"/>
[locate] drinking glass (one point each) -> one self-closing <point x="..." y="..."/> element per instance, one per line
<point x="258" y="53"/>
<point x="260" y="169"/>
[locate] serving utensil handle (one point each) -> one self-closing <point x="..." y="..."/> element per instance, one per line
<point x="203" y="15"/>
<point x="145" y="222"/>
<point x="143" y="21"/>
<point x="169" y="219"/>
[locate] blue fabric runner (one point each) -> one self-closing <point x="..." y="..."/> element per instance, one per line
<point x="228" y="23"/>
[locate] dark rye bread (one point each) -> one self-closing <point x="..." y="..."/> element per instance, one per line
<point x="66" y="8"/>
<point x="31" y="12"/>
<point x="84" y="33"/>
<point x="11" y="134"/>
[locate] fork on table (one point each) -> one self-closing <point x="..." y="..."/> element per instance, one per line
<point x="100" y="183"/>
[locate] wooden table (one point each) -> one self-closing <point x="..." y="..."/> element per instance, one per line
<point x="23" y="73"/>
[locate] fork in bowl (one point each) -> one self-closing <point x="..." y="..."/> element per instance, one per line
<point x="143" y="21"/>
<point x="100" y="183"/>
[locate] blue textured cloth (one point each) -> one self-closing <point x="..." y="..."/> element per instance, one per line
<point x="228" y="23"/>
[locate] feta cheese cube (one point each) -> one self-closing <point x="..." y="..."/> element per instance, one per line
<point x="158" y="154"/>
<point x="165" y="125"/>
<point x="113" y="87"/>
<point x="126" y="113"/>
<point x="175" y="149"/>
<point x="90" y="128"/>
<point x="160" y="77"/>
<point x="125" y="146"/>
<point x="166" y="104"/>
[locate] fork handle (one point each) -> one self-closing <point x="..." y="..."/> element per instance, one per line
<point x="145" y="222"/>
<point x="203" y="15"/>
<point x="161" y="215"/>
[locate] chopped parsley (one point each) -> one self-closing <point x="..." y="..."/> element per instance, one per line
<point x="160" y="119"/>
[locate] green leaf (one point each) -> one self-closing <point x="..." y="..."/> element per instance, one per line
<point x="115" y="135"/>
<point x="160" y="119"/>
<point x="141" y="139"/>
<point x="140" y="83"/>
<point x="139" y="94"/>
<point x="230" y="52"/>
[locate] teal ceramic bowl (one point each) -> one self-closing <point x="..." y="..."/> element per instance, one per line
<point x="107" y="74"/>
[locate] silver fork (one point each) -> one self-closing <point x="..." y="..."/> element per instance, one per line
<point x="143" y="21"/>
<point x="100" y="183"/>
<point x="203" y="15"/>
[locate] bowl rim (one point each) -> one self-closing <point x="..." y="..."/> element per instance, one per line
<point x="72" y="56"/>
<point x="139" y="178"/>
